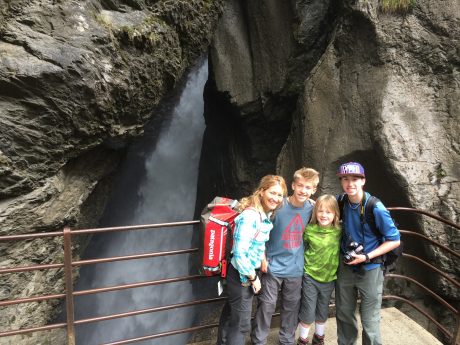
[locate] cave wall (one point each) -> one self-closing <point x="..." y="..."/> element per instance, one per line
<point x="78" y="81"/>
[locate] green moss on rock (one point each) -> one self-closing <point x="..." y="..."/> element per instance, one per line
<point x="397" y="6"/>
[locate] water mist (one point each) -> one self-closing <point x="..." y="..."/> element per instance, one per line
<point x="157" y="184"/>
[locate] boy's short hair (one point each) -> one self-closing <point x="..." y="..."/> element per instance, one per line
<point x="351" y="168"/>
<point x="308" y="174"/>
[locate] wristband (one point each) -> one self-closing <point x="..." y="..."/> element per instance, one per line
<point x="253" y="280"/>
<point x="368" y="260"/>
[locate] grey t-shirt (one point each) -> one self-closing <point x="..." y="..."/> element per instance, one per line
<point x="284" y="249"/>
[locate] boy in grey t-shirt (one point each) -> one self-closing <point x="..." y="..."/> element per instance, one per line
<point x="283" y="267"/>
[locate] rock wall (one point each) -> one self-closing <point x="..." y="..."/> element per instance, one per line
<point x="384" y="93"/>
<point x="260" y="55"/>
<point x="78" y="81"/>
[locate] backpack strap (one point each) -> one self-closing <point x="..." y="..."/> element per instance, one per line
<point x="369" y="218"/>
<point x="341" y="200"/>
<point x="367" y="215"/>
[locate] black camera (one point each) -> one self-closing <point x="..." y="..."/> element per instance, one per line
<point x="352" y="248"/>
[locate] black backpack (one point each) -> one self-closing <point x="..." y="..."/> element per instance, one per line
<point x="367" y="217"/>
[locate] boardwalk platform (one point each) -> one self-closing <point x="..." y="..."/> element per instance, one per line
<point x="396" y="327"/>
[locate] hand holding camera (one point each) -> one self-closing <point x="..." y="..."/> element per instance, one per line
<point x="354" y="248"/>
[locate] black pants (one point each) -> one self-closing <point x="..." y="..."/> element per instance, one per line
<point x="235" y="320"/>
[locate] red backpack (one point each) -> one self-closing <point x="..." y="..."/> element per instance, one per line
<point x="216" y="230"/>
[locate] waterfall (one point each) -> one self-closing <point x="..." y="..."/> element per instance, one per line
<point x="157" y="184"/>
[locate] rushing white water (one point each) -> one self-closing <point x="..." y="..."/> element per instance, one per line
<point x="165" y="179"/>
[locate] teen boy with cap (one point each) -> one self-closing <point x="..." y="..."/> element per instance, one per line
<point x="284" y="262"/>
<point x="361" y="274"/>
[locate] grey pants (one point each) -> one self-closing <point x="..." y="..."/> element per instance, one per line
<point x="289" y="308"/>
<point x="369" y="284"/>
<point x="315" y="300"/>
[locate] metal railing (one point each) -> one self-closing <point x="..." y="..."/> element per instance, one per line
<point x="454" y="337"/>
<point x="68" y="264"/>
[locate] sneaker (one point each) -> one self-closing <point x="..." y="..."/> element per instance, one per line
<point x="301" y="341"/>
<point x="317" y="339"/>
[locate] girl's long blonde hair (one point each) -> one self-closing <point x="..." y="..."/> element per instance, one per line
<point x="330" y="202"/>
<point x="254" y="200"/>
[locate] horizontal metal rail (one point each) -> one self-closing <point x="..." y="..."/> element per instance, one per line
<point x="31" y="299"/>
<point x="33" y="329"/>
<point x="443" y="274"/>
<point x="149" y="310"/>
<point x="420" y="310"/>
<point x="31" y="268"/>
<point x="428" y="214"/>
<point x="133" y="257"/>
<point x="133" y="227"/>
<point x="137" y="285"/>
<point x="96" y="230"/>
<point x="103" y="289"/>
<point x="98" y="261"/>
<point x="416" y="234"/>
<point x="164" y="334"/>
<point x="33" y="236"/>
<point x="424" y="288"/>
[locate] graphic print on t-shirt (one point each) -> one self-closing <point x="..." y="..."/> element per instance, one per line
<point x="292" y="235"/>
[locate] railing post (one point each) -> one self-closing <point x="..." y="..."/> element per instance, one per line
<point x="69" y="286"/>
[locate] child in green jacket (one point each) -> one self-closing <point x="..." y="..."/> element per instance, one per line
<point x="322" y="247"/>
